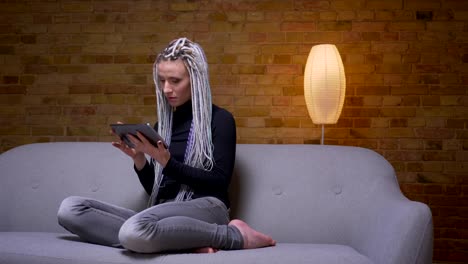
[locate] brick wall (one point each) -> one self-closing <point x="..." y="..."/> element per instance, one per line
<point x="69" y="68"/>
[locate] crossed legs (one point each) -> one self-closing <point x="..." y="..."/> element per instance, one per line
<point x="201" y="225"/>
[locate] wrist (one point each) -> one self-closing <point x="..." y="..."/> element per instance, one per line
<point x="165" y="161"/>
<point x="139" y="160"/>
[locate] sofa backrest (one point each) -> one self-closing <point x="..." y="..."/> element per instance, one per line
<point x="311" y="193"/>
<point x="296" y="193"/>
<point x="35" y="178"/>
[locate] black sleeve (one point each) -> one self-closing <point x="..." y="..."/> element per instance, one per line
<point x="224" y="141"/>
<point x="146" y="176"/>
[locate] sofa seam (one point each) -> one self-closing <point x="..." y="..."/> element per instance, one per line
<point x="50" y="257"/>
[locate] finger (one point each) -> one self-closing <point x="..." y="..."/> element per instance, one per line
<point x="161" y="144"/>
<point x="119" y="145"/>
<point x="142" y="138"/>
<point x="133" y="139"/>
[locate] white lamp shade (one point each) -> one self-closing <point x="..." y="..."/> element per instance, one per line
<point x="324" y="84"/>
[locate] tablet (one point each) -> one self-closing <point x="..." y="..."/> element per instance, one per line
<point x="122" y="130"/>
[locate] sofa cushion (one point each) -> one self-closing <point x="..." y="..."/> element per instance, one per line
<point x="56" y="248"/>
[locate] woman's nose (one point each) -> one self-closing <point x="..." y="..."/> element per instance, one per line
<point x="167" y="88"/>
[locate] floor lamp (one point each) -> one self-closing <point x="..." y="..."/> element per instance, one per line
<point x="324" y="85"/>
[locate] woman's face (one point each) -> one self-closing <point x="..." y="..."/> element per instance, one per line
<point x="174" y="80"/>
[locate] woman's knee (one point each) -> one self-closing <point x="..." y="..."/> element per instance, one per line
<point x="68" y="210"/>
<point x="139" y="235"/>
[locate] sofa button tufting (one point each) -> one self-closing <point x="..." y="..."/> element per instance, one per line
<point x="337" y="189"/>
<point x="277" y="190"/>
<point x="94" y="188"/>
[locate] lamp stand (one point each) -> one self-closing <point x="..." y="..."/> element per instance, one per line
<point x="323" y="134"/>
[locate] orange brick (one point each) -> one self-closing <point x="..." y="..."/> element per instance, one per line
<point x="47" y="131"/>
<point x="263" y="100"/>
<point x="250" y="122"/>
<point x="284" y="69"/>
<point x="261" y="27"/>
<point x="98" y="28"/>
<point x="460" y="14"/>
<point x="295" y="122"/>
<point x="360" y="68"/>
<point x="85" y="89"/>
<point x="82" y="131"/>
<point x="255" y="16"/>
<point x="328" y="15"/>
<point x="184" y="6"/>
<point x="334" y="26"/>
<point x="276" y="49"/>
<point x="369" y="26"/>
<point x="378" y="4"/>
<point x="64" y="28"/>
<point x="436" y="133"/>
<point x="293" y="90"/>
<point x="281" y="101"/>
<point x="12" y="89"/>
<point x="391" y="100"/>
<point x="252" y="112"/>
<point x="331" y="37"/>
<point x="371" y="36"/>
<point x="409" y="90"/>
<point x="77" y="7"/>
<point x="364" y="15"/>
<point x="312" y="5"/>
<point x="235" y="15"/>
<point x="282" y="59"/>
<point x="72" y="69"/>
<point x="372" y="90"/>
<point x="346" y="15"/>
<point x="393" y="68"/>
<point x="263" y="90"/>
<point x="273" y="122"/>
<point x="243" y="100"/>
<point x="354" y="48"/>
<point x="398" y="112"/>
<point x="407" y="26"/>
<point x="351" y="37"/>
<point x="80" y="110"/>
<point x="257" y="132"/>
<point x="398" y="122"/>
<point x="251" y="69"/>
<point x="444" y="25"/>
<point x="422" y="4"/>
<point x="294" y="37"/>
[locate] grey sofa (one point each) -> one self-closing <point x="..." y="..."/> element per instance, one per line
<point x="323" y="204"/>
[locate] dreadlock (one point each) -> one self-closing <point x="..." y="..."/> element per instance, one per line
<point x="199" y="151"/>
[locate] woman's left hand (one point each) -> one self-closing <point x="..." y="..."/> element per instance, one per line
<point x="159" y="152"/>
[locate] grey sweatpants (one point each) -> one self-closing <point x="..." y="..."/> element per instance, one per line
<point x="170" y="226"/>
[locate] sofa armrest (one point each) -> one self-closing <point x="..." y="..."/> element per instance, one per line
<point x="399" y="232"/>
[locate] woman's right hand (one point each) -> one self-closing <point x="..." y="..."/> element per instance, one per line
<point x="138" y="157"/>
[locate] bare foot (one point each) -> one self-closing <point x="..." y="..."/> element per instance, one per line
<point x="252" y="238"/>
<point x="205" y="250"/>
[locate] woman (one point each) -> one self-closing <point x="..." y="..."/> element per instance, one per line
<point x="188" y="183"/>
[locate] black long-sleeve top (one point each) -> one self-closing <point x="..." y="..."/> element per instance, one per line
<point x="203" y="183"/>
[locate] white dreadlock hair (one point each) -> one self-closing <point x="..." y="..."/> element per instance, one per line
<point x="199" y="151"/>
